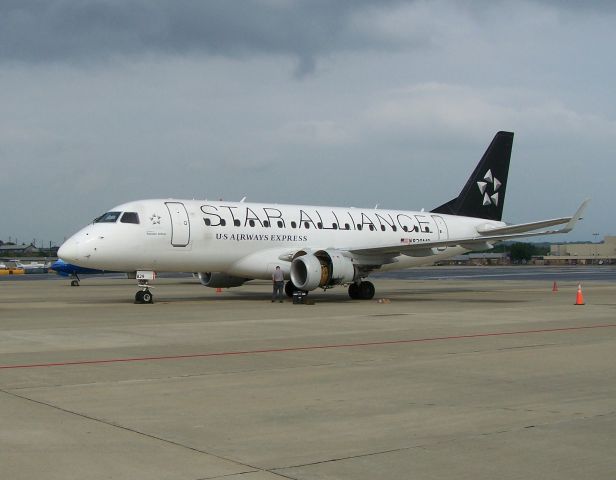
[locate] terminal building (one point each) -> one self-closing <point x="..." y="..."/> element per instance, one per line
<point x="603" y="253"/>
<point x="9" y="250"/>
<point x="583" y="253"/>
<point x="15" y="250"/>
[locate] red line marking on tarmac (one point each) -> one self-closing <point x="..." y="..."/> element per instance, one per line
<point x="309" y="347"/>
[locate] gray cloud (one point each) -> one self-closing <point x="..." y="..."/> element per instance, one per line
<point x="78" y="30"/>
<point x="91" y="31"/>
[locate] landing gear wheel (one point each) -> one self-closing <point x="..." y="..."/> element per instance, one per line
<point x="361" y="291"/>
<point x="366" y="290"/>
<point x="144" y="296"/>
<point x="74" y="283"/>
<point x="148" y="298"/>
<point x="289" y="288"/>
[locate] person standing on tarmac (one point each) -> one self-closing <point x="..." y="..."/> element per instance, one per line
<point x="278" y="281"/>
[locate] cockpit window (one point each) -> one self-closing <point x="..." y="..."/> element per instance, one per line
<point x="109" y="217"/>
<point x="130" y="217"/>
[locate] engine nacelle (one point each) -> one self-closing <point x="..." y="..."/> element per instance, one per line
<point x="324" y="269"/>
<point x="220" y="280"/>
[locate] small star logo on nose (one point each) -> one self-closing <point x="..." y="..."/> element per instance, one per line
<point x="489" y="179"/>
<point x="155" y="219"/>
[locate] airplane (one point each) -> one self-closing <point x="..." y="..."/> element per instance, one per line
<point x="73" y="271"/>
<point x="230" y="243"/>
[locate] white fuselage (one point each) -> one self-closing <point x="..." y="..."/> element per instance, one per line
<point x="250" y="239"/>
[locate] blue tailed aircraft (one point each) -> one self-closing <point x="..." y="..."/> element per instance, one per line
<point x="73" y="271"/>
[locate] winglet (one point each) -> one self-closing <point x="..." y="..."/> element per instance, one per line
<point x="576" y="216"/>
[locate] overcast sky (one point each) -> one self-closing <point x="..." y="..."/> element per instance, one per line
<point x="346" y="103"/>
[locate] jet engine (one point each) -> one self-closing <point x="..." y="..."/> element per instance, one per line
<point x="324" y="269"/>
<point x="220" y="280"/>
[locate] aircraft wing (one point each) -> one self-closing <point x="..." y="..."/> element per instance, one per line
<point x="481" y="241"/>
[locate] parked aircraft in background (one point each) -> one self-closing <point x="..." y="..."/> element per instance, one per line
<point x="29" y="267"/>
<point x="316" y="247"/>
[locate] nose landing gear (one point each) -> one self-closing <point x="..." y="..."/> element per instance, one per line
<point x="144" y="295"/>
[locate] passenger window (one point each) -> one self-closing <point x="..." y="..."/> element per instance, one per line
<point x="109" y="217"/>
<point x="130" y="217"/>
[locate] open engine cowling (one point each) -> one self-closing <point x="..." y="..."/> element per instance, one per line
<point x="324" y="269"/>
<point x="220" y="280"/>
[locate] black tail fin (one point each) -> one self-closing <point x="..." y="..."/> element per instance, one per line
<point x="483" y="196"/>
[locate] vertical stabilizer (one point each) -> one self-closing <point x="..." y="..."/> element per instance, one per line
<point x="483" y="196"/>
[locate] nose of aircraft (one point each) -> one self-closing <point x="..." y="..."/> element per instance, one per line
<point x="69" y="251"/>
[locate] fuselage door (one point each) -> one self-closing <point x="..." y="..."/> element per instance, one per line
<point x="180" y="224"/>
<point x="441" y="228"/>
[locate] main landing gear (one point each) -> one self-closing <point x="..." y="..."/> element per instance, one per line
<point x="361" y="291"/>
<point x="289" y="288"/>
<point x="357" y="291"/>
<point x="75" y="280"/>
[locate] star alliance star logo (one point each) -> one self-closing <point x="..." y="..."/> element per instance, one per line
<point x="155" y="219"/>
<point x="483" y="188"/>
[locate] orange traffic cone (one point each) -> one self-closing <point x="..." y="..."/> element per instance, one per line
<point x="555" y="287"/>
<point x="579" y="299"/>
<point x="219" y="290"/>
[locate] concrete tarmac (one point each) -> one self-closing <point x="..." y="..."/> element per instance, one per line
<point x="450" y="380"/>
